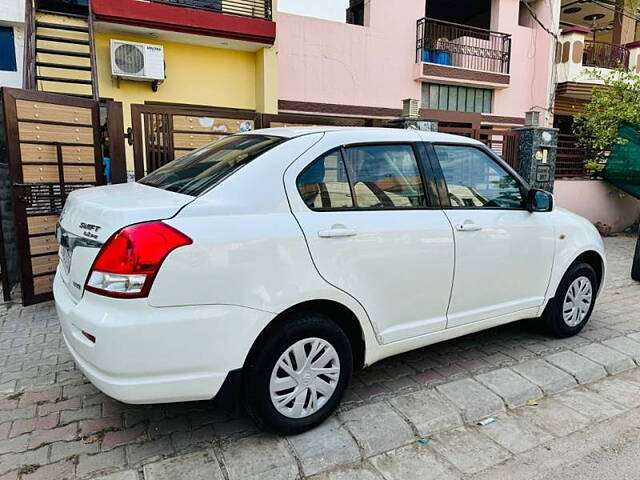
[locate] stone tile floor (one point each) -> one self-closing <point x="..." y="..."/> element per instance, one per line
<point x="54" y="425"/>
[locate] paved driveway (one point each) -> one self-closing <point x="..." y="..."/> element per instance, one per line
<point x="54" y="425"/>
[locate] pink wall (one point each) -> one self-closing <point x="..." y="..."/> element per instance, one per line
<point x="531" y="50"/>
<point x="330" y="62"/>
<point x="597" y="201"/>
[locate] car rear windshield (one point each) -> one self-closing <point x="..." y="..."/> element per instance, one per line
<point x="201" y="169"/>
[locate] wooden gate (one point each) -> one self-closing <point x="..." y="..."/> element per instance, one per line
<point x="503" y="142"/>
<point x="53" y="148"/>
<point x="162" y="133"/>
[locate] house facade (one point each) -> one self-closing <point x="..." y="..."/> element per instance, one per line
<point x="210" y="64"/>
<point x="484" y="63"/>
<point x="596" y="39"/>
<point x="11" y="42"/>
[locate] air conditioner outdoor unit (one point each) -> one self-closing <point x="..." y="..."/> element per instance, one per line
<point x="411" y="107"/>
<point x="137" y="61"/>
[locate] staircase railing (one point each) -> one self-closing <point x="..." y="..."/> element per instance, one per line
<point x="29" y="65"/>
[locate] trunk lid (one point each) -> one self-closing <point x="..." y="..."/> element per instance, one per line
<point x="90" y="216"/>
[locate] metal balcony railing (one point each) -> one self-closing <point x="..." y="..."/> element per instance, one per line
<point x="604" y="55"/>
<point x="462" y="46"/>
<point x="245" y="8"/>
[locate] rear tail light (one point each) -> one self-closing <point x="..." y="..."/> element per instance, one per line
<point x="128" y="263"/>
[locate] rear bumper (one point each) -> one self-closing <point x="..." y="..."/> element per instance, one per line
<point x="144" y="354"/>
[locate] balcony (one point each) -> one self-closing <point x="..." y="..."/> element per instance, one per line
<point x="245" y="8"/>
<point x="469" y="54"/>
<point x="604" y="55"/>
<point x="247" y="21"/>
<point x="584" y="61"/>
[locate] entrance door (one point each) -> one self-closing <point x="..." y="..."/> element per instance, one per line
<point x="53" y="145"/>
<point x="371" y="233"/>
<point x="504" y="253"/>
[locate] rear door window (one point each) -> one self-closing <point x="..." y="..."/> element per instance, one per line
<point x="385" y="176"/>
<point x="201" y="169"/>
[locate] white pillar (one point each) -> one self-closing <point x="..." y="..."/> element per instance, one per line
<point x="569" y="55"/>
<point x="634" y="53"/>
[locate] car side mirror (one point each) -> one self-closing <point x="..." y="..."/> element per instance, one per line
<point x="539" y="200"/>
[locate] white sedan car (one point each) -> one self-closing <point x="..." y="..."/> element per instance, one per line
<point x="270" y="265"/>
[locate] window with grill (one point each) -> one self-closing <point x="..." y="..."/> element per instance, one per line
<point x="456" y="99"/>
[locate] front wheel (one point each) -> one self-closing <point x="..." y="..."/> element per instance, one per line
<point x="573" y="303"/>
<point x="297" y="375"/>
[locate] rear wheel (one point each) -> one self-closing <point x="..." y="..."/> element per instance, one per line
<point x="297" y="375"/>
<point x="574" y="300"/>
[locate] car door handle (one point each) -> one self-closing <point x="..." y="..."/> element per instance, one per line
<point x="337" y="232"/>
<point x="468" y="226"/>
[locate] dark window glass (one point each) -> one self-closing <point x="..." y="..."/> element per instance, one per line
<point x="201" y="169"/>
<point x="474" y="179"/>
<point x="458" y="99"/>
<point x="324" y="183"/>
<point x="384" y="176"/>
<point x="7" y="50"/>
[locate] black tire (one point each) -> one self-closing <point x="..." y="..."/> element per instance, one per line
<point x="635" y="267"/>
<point x="553" y="315"/>
<point x="262" y="360"/>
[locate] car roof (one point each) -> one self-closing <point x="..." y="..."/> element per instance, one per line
<point x="393" y="133"/>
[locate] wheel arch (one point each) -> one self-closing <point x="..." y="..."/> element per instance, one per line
<point x="346" y="319"/>
<point x="595" y="260"/>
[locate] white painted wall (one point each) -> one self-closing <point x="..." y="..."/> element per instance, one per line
<point x="12" y="11"/>
<point x="12" y="14"/>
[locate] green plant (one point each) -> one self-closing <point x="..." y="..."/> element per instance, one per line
<point x="616" y="101"/>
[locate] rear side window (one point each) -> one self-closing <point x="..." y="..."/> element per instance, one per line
<point x="201" y="169"/>
<point x="324" y="183"/>
<point x="363" y="177"/>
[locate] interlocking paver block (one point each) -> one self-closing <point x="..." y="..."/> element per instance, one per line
<point x="473" y="399"/>
<point x="16" y="414"/>
<point x="555" y="417"/>
<point x="362" y="472"/>
<point x="325" y="447"/>
<point x="59" y="470"/>
<point x="583" y="369"/>
<point x="199" y="466"/>
<point x="125" y="475"/>
<point x="625" y="345"/>
<point x="14" y="445"/>
<point x="612" y="360"/>
<point x="589" y="403"/>
<point x="618" y="390"/>
<point x="259" y="457"/>
<point x="549" y="378"/>
<point x="61" y="450"/>
<point x="139" y="452"/>
<point x="41" y="437"/>
<point x="469" y="450"/>
<point x="428" y="411"/>
<point x="412" y="461"/>
<point x="514" y="389"/>
<point x="377" y="428"/>
<point x="514" y="433"/>
<point x="100" y="461"/>
<point x="13" y="461"/>
<point x="112" y="440"/>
